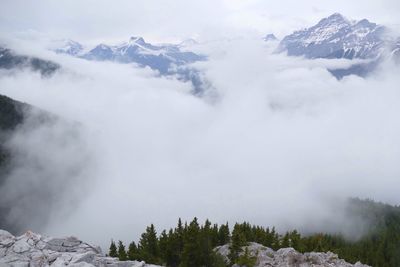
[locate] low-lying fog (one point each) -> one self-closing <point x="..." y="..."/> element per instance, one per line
<point x="276" y="141"/>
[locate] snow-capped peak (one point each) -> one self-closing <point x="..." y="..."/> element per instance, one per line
<point x="336" y="37"/>
<point x="137" y="40"/>
<point x="68" y="46"/>
<point x="336" y="17"/>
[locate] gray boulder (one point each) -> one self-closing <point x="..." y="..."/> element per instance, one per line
<point x="34" y="250"/>
<point x="288" y="257"/>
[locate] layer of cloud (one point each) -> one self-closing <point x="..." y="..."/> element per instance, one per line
<point x="280" y="143"/>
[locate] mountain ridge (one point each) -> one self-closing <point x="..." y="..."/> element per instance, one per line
<point x="135" y="50"/>
<point x="336" y="37"/>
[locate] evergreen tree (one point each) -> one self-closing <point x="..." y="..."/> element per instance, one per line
<point x="237" y="242"/>
<point x="285" y="243"/>
<point x="191" y="249"/>
<point x="223" y="234"/>
<point x="214" y="235"/>
<point x="206" y="246"/>
<point x="121" y="251"/>
<point x="133" y="253"/>
<point x="113" y="250"/>
<point x="163" y="245"/>
<point x="148" y="246"/>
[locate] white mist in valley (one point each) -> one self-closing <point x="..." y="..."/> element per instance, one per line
<point x="280" y="142"/>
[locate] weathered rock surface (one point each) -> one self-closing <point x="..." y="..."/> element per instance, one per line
<point x="288" y="257"/>
<point x="34" y="250"/>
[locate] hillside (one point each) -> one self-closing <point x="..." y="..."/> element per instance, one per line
<point x="191" y="244"/>
<point x="10" y="60"/>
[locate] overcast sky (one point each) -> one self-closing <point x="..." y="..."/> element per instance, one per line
<point x="161" y="20"/>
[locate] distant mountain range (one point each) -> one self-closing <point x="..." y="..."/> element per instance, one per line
<point x="167" y="59"/>
<point x="136" y="50"/>
<point x="333" y="37"/>
<point x="337" y="37"/>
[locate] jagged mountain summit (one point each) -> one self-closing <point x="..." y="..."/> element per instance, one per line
<point x="32" y="249"/>
<point x="337" y="37"/>
<point x="136" y="50"/>
<point x="70" y="47"/>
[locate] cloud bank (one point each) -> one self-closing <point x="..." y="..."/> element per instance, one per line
<point x="278" y="143"/>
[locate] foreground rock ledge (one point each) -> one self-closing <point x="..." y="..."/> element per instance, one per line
<point x="34" y="250"/>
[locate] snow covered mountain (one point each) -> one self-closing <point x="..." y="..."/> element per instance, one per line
<point x="167" y="59"/>
<point x="336" y="37"/>
<point x="163" y="58"/>
<point x="70" y="47"/>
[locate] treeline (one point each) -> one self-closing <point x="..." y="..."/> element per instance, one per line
<point x="192" y="245"/>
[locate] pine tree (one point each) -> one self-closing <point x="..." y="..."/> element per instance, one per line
<point x="174" y="249"/>
<point x="148" y="246"/>
<point x="285" y="243"/>
<point x="133" y="252"/>
<point x="206" y="247"/>
<point x="214" y="235"/>
<point x="113" y="250"/>
<point x="237" y="242"/>
<point x="223" y="234"/>
<point x="163" y="245"/>
<point x="121" y="251"/>
<point x="191" y="250"/>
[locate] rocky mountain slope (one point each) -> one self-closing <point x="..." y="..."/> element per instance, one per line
<point x="337" y="37"/>
<point x="11" y="115"/>
<point x="32" y="249"/>
<point x="31" y="181"/>
<point x="10" y="60"/>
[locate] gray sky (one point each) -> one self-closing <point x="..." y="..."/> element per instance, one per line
<point x="92" y="20"/>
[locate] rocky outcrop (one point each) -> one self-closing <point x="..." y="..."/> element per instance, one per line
<point x="34" y="250"/>
<point x="289" y="257"/>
